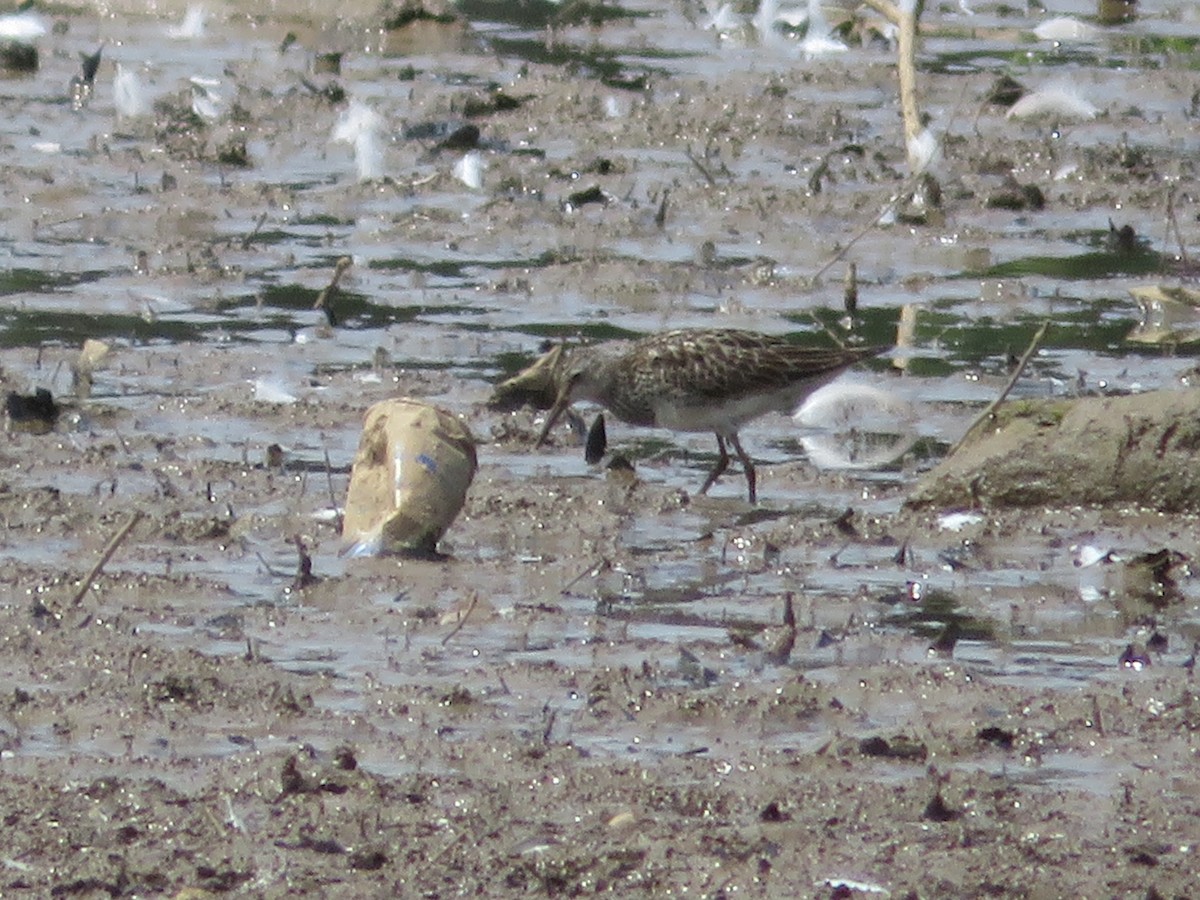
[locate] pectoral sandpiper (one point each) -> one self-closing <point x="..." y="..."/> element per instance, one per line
<point x="702" y="379"/>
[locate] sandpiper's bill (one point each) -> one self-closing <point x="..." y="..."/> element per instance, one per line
<point x="698" y="379"/>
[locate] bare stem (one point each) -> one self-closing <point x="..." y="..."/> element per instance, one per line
<point x="885" y="8"/>
<point x="906" y="56"/>
<point x="904" y="17"/>
<point x="109" y="549"/>
<point x="462" y="620"/>
<point x="990" y="411"/>
<point x="325" y="298"/>
<point x="333" y="500"/>
<point x="900" y="196"/>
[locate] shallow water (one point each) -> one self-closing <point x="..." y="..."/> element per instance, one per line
<point x="452" y="287"/>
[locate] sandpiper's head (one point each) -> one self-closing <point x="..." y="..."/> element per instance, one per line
<point x="578" y="374"/>
<point x="537" y="384"/>
<point x="559" y="377"/>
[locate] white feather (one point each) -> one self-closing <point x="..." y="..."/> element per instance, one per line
<point x="723" y="20"/>
<point x="357" y="118"/>
<point x="129" y="96"/>
<point x="923" y="150"/>
<point x="359" y="126"/>
<point x="267" y="391"/>
<point x="206" y="102"/>
<point x="1064" y="28"/>
<point x="22" y="27"/>
<point x="1058" y="101"/>
<point x="191" y="27"/>
<point x="819" y="39"/>
<point x="469" y="170"/>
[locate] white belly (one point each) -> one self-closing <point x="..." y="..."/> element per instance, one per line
<point x="727" y="416"/>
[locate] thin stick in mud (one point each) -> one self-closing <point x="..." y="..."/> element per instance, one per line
<point x="109" y="549"/>
<point x="462" y="619"/>
<point x="990" y="409"/>
<point x="325" y="298"/>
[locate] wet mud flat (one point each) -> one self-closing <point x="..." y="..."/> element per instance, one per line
<point x="595" y="691"/>
<point x="599" y="688"/>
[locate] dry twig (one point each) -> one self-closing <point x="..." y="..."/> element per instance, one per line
<point x="463" y="620"/>
<point x="990" y="411"/>
<point x="903" y="15"/>
<point x="109" y="549"/>
<point x="325" y="298"/>
<point x="1173" y="225"/>
<point x="901" y="195"/>
<point x="695" y="161"/>
<point x="332" y="494"/>
<point x="249" y="239"/>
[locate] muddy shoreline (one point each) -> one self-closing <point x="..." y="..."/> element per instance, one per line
<point x="587" y="694"/>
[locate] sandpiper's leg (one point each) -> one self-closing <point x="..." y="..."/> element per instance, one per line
<point x="747" y="467"/>
<point x="719" y="468"/>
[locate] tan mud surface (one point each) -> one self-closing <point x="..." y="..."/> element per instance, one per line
<point x="1093" y="451"/>
<point x="351" y="739"/>
<point x="594" y="691"/>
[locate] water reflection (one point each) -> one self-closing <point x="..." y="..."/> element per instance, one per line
<point x="203" y="277"/>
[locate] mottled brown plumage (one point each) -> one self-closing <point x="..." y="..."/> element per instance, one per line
<point x="695" y="380"/>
